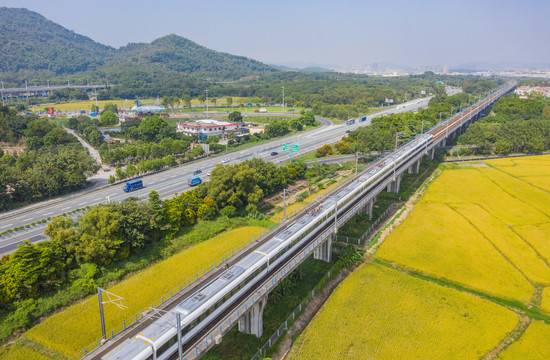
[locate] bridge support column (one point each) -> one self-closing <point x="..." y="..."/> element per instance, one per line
<point x="413" y="169"/>
<point x="431" y="153"/>
<point x="324" y="250"/>
<point x="394" y="185"/>
<point x="253" y="321"/>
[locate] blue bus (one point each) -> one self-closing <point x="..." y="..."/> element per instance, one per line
<point x="194" y="181"/>
<point x="133" y="185"/>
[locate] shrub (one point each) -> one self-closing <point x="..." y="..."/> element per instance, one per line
<point x="302" y="196"/>
<point x="228" y="211"/>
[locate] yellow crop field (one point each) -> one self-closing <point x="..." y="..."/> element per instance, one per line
<point x="436" y="239"/>
<point x="87" y="104"/>
<point x="507" y="242"/>
<point x="522" y="191"/>
<point x="533" y="345"/>
<point x="545" y="304"/>
<point x="22" y="353"/>
<point x="542" y="182"/>
<point x="78" y="326"/>
<point x="380" y="313"/>
<point x="537" y="236"/>
<point x="524" y="166"/>
<point x="471" y="185"/>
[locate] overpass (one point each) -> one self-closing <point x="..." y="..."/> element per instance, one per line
<point x="236" y="293"/>
<point x="40" y="90"/>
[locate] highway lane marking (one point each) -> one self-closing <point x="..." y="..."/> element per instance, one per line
<point x="27" y="219"/>
<point x="162" y="179"/>
<point x="83" y="203"/>
<point x="48" y="213"/>
<point x="6" y="226"/>
<point x="173" y="176"/>
<point x="68" y="207"/>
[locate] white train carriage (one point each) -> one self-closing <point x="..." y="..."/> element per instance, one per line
<point x="214" y="297"/>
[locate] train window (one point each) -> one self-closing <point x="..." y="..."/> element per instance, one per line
<point x="211" y="309"/>
<point x="202" y="316"/>
<point x="219" y="303"/>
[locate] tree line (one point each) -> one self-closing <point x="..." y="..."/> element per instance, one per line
<point x="108" y="233"/>
<point x="514" y="125"/>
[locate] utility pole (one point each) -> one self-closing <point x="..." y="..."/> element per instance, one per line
<point x="284" y="204"/>
<point x="207" y="104"/>
<point x="101" y="314"/>
<point x="283" y="99"/>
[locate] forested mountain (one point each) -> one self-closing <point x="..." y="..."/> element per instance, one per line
<point x="30" y="42"/>
<point x="34" y="48"/>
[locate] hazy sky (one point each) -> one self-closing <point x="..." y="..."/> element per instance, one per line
<point x="343" y="32"/>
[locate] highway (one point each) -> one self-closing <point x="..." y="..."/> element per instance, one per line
<point x="173" y="180"/>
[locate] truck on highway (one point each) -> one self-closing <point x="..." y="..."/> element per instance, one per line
<point x="364" y="118"/>
<point x="194" y="181"/>
<point x="133" y="185"/>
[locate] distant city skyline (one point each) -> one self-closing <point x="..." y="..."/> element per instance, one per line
<point x="325" y="33"/>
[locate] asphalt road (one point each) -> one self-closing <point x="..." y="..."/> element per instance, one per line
<point x="174" y="180"/>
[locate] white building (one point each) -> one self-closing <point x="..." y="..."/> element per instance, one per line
<point x="208" y="127"/>
<point x="527" y="90"/>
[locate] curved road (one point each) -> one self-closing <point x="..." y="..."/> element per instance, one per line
<point x="173" y="180"/>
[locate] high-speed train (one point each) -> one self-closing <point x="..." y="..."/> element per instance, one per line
<point x="205" y="304"/>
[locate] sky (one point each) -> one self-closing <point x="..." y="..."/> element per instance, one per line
<point x="330" y="33"/>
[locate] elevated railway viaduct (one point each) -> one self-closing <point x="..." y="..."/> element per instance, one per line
<point x="243" y="306"/>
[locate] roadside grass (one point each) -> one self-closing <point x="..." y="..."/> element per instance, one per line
<point x="297" y="205"/>
<point x="545" y="304"/>
<point x="449" y="247"/>
<point x="69" y="331"/>
<point x="402" y="317"/>
<point x="532" y="345"/>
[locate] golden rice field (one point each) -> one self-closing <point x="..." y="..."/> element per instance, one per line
<point x="533" y="345"/>
<point x="19" y="352"/>
<point x="435" y="239"/>
<point x="381" y="313"/>
<point x="480" y="227"/>
<point x="78" y="326"/>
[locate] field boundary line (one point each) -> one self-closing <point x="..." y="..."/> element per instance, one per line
<point x="515" y="335"/>
<point x="520" y="179"/>
<point x="512" y="304"/>
<point x="531" y="246"/>
<point x="490" y="242"/>
<point x="512" y="195"/>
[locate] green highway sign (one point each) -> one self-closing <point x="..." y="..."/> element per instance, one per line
<point x="285" y="147"/>
<point x="295" y="147"/>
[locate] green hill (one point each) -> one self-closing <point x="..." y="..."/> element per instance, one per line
<point x="33" y="47"/>
<point x="30" y="42"/>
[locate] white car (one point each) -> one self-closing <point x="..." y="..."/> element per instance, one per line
<point x="224" y="161"/>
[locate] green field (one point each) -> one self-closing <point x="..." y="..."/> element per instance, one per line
<point x="381" y="313"/>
